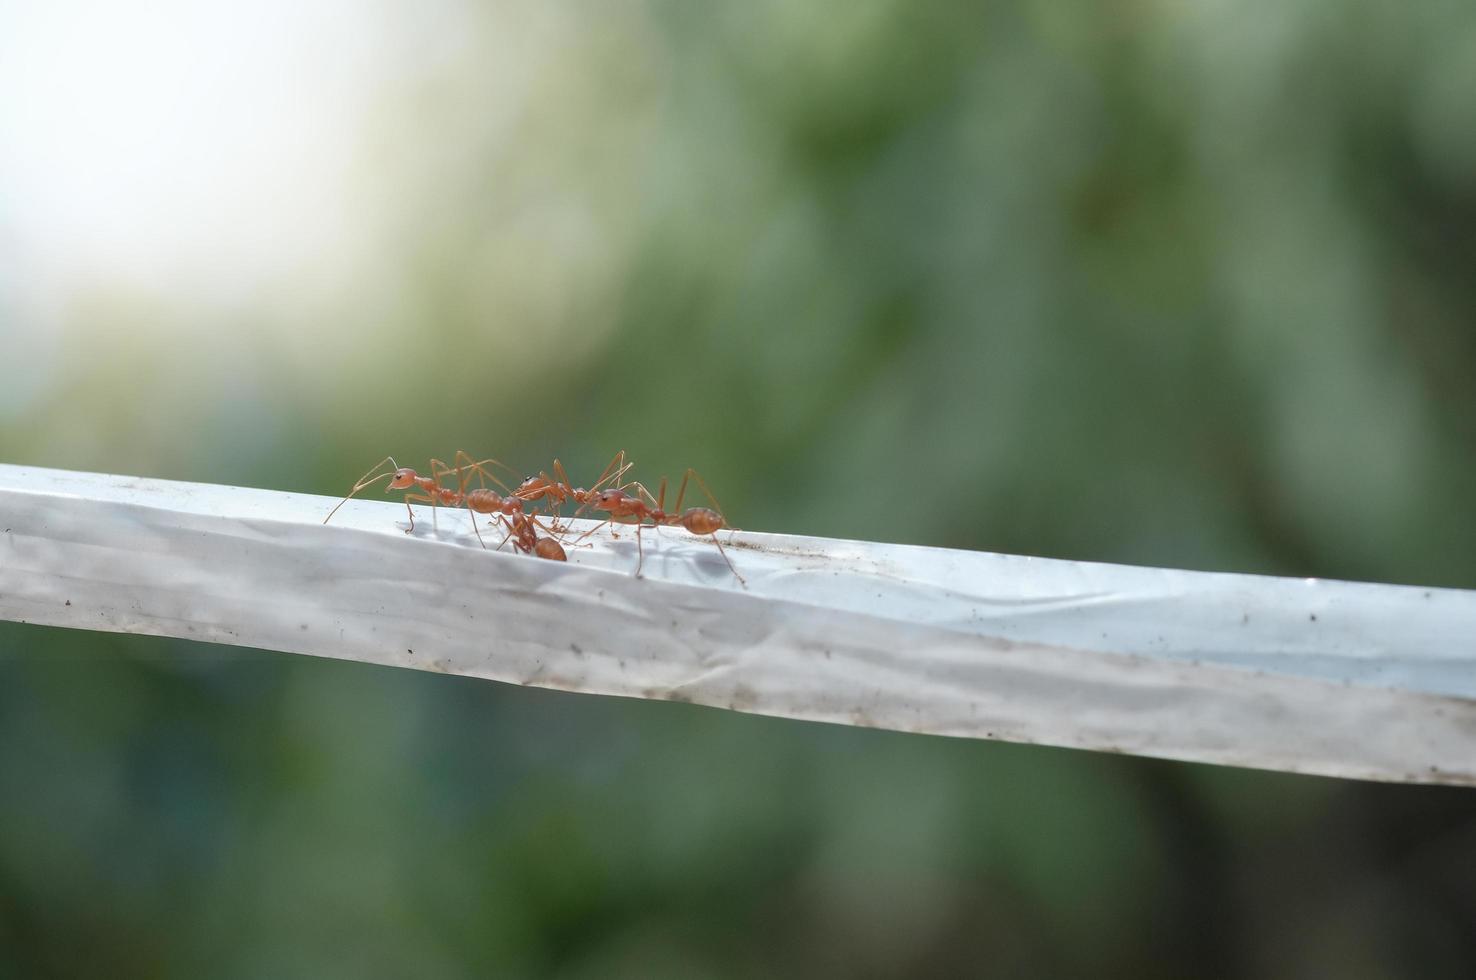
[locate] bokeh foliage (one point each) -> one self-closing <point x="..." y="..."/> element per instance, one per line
<point x="1180" y="284"/>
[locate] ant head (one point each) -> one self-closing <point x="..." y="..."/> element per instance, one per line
<point x="403" y="479"/>
<point x="531" y="483"/>
<point x="609" y="498"/>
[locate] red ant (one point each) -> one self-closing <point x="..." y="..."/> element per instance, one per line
<point x="556" y="490"/>
<point x="430" y="490"/>
<point x="525" y="539"/>
<point x="508" y="509"/>
<point x="521" y="527"/>
<point x="644" y="507"/>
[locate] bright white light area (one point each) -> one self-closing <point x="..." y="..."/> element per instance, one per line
<point x="198" y="146"/>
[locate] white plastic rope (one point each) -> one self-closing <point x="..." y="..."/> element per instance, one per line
<point x="1337" y="678"/>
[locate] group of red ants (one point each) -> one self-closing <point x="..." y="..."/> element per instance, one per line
<point x="624" y="501"/>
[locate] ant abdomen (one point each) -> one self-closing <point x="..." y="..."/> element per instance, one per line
<point x="484" y="501"/>
<point x="701" y="520"/>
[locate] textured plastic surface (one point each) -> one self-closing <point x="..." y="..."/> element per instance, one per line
<point x="1338" y="678"/>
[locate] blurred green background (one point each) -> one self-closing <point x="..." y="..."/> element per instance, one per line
<point x="1151" y="282"/>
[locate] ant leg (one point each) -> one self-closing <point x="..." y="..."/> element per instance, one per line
<point x="614" y="470"/>
<point x="464" y="461"/>
<point x="560" y="476"/>
<point x="512" y="529"/>
<point x="539" y="524"/>
<point x="640" y="551"/>
<point x="463" y="476"/>
<point x="459" y="470"/>
<point x="724" y="552"/>
<point x="438" y="470"/>
<point x="461" y="481"/>
<point x="653" y="503"/>
<point x="703" y="485"/>
<point x="661" y="500"/>
<point x="647" y="498"/>
<point x="364" y="481"/>
<point x="608" y="520"/>
<point x="560" y="487"/>
<point x="417" y="497"/>
<point x="499" y="521"/>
